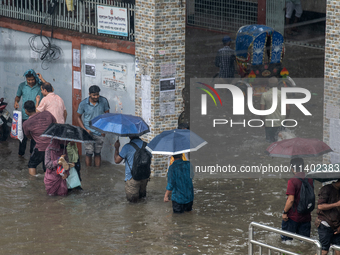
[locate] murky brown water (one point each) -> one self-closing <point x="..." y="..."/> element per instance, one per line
<point x="98" y="220"/>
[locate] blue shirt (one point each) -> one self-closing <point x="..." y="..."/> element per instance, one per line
<point x="128" y="153"/>
<point x="91" y="111"/>
<point x="28" y="93"/>
<point x="180" y="176"/>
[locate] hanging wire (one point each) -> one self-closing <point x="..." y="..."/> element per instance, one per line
<point x="48" y="52"/>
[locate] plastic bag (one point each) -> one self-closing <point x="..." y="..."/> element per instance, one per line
<point x="16" y="130"/>
<point x="73" y="179"/>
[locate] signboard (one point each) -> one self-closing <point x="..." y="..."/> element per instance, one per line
<point x="167" y="84"/>
<point x="112" y="20"/>
<point x="90" y="70"/>
<point x="114" y="76"/>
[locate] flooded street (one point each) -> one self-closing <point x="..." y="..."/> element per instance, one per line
<point x="98" y="220"/>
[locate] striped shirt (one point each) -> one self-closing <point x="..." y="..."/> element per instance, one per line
<point x="225" y="60"/>
<point x="35" y="127"/>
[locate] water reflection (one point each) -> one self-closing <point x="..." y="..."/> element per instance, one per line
<point x="98" y="220"/>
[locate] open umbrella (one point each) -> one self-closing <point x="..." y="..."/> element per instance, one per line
<point x="67" y="132"/>
<point x="175" y="141"/>
<point x="298" y="148"/>
<point x="120" y="124"/>
<point x="324" y="172"/>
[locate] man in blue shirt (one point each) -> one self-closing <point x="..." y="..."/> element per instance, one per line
<point x="28" y="90"/>
<point x="91" y="107"/>
<point x="134" y="189"/>
<point x="180" y="185"/>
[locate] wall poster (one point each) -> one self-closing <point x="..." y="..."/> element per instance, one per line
<point x="114" y="76"/>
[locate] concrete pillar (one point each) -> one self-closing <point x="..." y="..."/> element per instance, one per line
<point x="160" y="54"/>
<point x="332" y="73"/>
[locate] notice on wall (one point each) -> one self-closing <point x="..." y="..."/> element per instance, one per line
<point x="167" y="84"/>
<point x="334" y="141"/>
<point x="76" y="57"/>
<point x="114" y="76"/>
<point x="168" y="69"/>
<point x="167" y="108"/>
<point x="112" y="20"/>
<point x="167" y="89"/>
<point x="146" y="98"/>
<point x="90" y="70"/>
<point x="76" y="80"/>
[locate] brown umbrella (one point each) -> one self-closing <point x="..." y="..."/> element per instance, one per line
<point x="298" y="148"/>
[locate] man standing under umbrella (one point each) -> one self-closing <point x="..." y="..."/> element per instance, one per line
<point x="273" y="121"/>
<point x="328" y="221"/>
<point x="180" y="185"/>
<point x="292" y="220"/>
<point x="91" y="107"/>
<point x="134" y="189"/>
<point x="33" y="128"/>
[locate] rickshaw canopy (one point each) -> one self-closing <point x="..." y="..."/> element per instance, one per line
<point x="256" y="38"/>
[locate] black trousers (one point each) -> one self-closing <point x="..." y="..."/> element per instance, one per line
<point x="22" y="145"/>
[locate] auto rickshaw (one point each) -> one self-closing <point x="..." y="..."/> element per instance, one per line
<point x="259" y="53"/>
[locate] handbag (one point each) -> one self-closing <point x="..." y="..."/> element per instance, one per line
<point x="16" y="130"/>
<point x="73" y="179"/>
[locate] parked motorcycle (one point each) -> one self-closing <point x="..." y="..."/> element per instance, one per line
<point x="4" y="120"/>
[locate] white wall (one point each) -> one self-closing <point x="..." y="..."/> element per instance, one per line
<point x="16" y="59"/>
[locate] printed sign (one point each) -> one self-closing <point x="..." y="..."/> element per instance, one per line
<point x="112" y="20"/>
<point x="114" y="76"/>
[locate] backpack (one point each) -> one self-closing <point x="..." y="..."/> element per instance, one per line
<point x="141" y="163"/>
<point x="307" y="197"/>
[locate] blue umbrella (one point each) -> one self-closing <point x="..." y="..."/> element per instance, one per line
<point x="175" y="141"/>
<point x="120" y="124"/>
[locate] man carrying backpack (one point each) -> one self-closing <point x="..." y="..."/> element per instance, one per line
<point x="300" y="202"/>
<point x="137" y="167"/>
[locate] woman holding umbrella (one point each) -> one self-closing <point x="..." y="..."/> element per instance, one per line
<point x="56" y="169"/>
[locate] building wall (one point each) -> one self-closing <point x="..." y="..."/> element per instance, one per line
<point x="17" y="57"/>
<point x="160" y="42"/>
<point x="332" y="79"/>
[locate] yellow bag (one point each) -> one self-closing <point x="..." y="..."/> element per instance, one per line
<point x="69" y="5"/>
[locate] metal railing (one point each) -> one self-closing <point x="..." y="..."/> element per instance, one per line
<point x="221" y="15"/>
<point x="333" y="248"/>
<point x="271" y="248"/>
<point x="83" y="18"/>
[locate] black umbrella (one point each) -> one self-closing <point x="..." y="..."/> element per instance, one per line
<point x="67" y="132"/>
<point x="324" y="172"/>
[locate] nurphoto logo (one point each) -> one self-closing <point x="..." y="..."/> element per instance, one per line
<point x="238" y="104"/>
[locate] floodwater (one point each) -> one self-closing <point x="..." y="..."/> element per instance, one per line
<point x="98" y="220"/>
